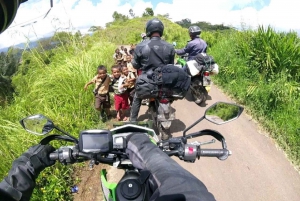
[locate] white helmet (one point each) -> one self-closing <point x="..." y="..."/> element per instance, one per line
<point x="143" y="35"/>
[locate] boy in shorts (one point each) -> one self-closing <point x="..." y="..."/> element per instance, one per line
<point x="121" y="94"/>
<point x="102" y="82"/>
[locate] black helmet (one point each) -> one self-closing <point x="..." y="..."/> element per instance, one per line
<point x="154" y="25"/>
<point x="194" y="30"/>
<point x="8" y="11"/>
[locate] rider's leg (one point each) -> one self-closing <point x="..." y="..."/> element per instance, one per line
<point x="135" y="108"/>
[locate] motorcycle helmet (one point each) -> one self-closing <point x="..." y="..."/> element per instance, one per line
<point x="8" y="11"/>
<point x="194" y="30"/>
<point x="154" y="25"/>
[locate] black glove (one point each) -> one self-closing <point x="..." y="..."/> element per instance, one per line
<point x="20" y="182"/>
<point x="39" y="157"/>
<point x="168" y="179"/>
<point x="139" y="149"/>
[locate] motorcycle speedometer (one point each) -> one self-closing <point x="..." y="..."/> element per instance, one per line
<point x="95" y="141"/>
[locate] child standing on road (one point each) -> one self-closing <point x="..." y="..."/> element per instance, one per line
<point x="101" y="81"/>
<point x="121" y="94"/>
<point x="118" y="56"/>
<point x="130" y="82"/>
<point x="130" y="66"/>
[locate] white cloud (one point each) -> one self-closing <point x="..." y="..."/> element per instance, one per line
<point x="82" y="14"/>
<point x="280" y="14"/>
<point x="65" y="14"/>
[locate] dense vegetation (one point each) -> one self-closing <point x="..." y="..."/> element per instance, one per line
<point x="9" y="63"/>
<point x="205" y="26"/>
<point x="259" y="68"/>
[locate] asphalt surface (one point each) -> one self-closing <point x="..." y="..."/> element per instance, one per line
<point x="256" y="170"/>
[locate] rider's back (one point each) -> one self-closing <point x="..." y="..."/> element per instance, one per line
<point x="153" y="53"/>
<point x="196" y="46"/>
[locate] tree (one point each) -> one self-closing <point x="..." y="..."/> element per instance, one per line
<point x="206" y="26"/>
<point x="95" y="28"/>
<point x="131" y="13"/>
<point x="62" y="37"/>
<point x="186" y="23"/>
<point x="119" y="17"/>
<point x="148" y="12"/>
<point x="45" y="44"/>
<point x="167" y="16"/>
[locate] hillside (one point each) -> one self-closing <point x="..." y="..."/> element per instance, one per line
<point x="260" y="69"/>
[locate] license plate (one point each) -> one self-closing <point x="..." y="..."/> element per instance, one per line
<point x="206" y="81"/>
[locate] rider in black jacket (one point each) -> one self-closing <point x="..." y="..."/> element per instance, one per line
<point x="151" y="54"/>
<point x="168" y="180"/>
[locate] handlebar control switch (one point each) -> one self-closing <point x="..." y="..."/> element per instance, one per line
<point x="190" y="152"/>
<point x="65" y="155"/>
<point x="174" y="143"/>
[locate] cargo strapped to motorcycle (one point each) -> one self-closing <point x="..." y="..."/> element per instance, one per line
<point x="167" y="81"/>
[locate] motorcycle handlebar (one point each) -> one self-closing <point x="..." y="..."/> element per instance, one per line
<point x="54" y="156"/>
<point x="189" y="152"/>
<point x="221" y="154"/>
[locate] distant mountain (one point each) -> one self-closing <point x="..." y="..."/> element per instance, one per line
<point x="32" y="44"/>
<point x="4" y="49"/>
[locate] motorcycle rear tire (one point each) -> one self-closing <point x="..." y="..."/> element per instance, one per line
<point x="201" y="96"/>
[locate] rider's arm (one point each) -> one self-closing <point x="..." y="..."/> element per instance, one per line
<point x="171" y="180"/>
<point x="20" y="182"/>
<point x="185" y="50"/>
<point x="136" y="63"/>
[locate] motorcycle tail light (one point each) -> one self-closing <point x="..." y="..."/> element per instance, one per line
<point x="164" y="100"/>
<point x="206" y="73"/>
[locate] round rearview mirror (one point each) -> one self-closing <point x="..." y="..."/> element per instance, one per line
<point x="221" y="112"/>
<point x="37" y="124"/>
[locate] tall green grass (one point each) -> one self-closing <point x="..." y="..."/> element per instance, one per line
<point x="55" y="90"/>
<point x="261" y="70"/>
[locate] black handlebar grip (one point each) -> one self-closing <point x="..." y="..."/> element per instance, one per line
<point x="54" y="156"/>
<point x="221" y="154"/>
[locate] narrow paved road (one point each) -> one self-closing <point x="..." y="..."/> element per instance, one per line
<point x="255" y="171"/>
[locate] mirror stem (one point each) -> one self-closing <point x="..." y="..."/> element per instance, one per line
<point x="65" y="133"/>
<point x="191" y="126"/>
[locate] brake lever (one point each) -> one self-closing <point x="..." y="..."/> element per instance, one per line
<point x="203" y="143"/>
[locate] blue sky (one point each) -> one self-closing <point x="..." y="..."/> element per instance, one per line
<point x="81" y="14"/>
<point x="257" y="5"/>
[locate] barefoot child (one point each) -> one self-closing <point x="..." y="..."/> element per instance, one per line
<point x="129" y="83"/>
<point x="121" y="94"/>
<point x="101" y="81"/>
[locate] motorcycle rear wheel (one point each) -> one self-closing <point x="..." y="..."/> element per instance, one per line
<point x="162" y="133"/>
<point x="201" y="95"/>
